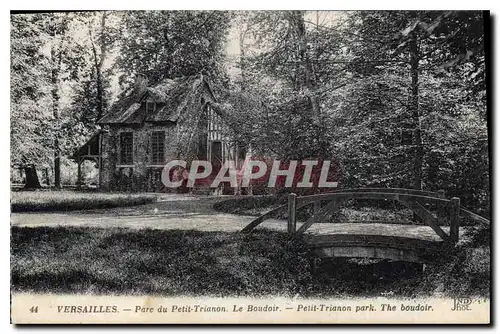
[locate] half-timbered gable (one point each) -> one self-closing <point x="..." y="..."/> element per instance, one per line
<point x="170" y="120"/>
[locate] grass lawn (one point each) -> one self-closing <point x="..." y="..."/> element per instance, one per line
<point x="187" y="262"/>
<point x="25" y="201"/>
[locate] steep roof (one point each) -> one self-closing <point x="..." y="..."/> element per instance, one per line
<point x="175" y="97"/>
<point x="90" y="148"/>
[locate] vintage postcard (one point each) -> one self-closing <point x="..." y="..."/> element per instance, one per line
<point x="250" y="167"/>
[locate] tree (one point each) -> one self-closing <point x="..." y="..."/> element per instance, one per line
<point x="378" y="77"/>
<point x="409" y="62"/>
<point x="30" y="99"/>
<point x="282" y="69"/>
<point x="93" y="74"/>
<point x="98" y="60"/>
<point x="426" y="37"/>
<point x="169" y="44"/>
<point x="57" y="28"/>
<point x="46" y="60"/>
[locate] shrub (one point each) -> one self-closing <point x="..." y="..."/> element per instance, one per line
<point x="29" y="201"/>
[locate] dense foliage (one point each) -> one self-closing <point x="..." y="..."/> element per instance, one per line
<point x="166" y="44"/>
<point x="396" y="99"/>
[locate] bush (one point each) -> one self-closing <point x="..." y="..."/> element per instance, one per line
<point x="30" y="201"/>
<point x="464" y="270"/>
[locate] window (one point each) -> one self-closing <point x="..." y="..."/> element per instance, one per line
<point x="158" y="147"/>
<point x="216" y="155"/>
<point x="242" y="151"/>
<point x="126" y="148"/>
<point x="150" y="107"/>
<point x="406" y="135"/>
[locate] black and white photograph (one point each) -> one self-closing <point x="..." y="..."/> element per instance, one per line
<point x="258" y="166"/>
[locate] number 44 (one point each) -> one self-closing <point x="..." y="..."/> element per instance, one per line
<point x="34" y="309"/>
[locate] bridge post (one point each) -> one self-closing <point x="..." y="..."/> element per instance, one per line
<point x="292" y="210"/>
<point x="317" y="207"/>
<point x="454" y="219"/>
<point x="441" y="208"/>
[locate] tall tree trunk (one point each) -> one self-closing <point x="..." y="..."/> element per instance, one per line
<point x="99" y="64"/>
<point x="100" y="79"/>
<point x="418" y="155"/>
<point x="56" y="62"/>
<point x="57" y="164"/>
<point x="243" y="67"/>
<point x="100" y="104"/>
<point x="46" y="174"/>
<point x="297" y="21"/>
<point x="32" y="181"/>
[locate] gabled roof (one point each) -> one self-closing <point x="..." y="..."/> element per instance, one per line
<point x="89" y="149"/>
<point x="174" y="96"/>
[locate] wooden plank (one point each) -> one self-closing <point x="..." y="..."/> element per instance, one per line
<point x="346" y="240"/>
<point x="467" y="214"/>
<point x="330" y="207"/>
<point x="317" y="207"/>
<point x="254" y="223"/>
<point x="302" y="201"/>
<point x="423" y="232"/>
<point x="370" y="195"/>
<point x="292" y="210"/>
<point x="454" y="219"/>
<point x="441" y="209"/>
<point x="402" y="191"/>
<point x="371" y="252"/>
<point x="257" y="221"/>
<point x="426" y="216"/>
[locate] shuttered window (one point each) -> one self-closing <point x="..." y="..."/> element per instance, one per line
<point x="126" y="148"/>
<point x="150" y="107"/>
<point x="158" y="147"/>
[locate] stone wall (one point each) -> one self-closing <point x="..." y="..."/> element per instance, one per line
<point x="141" y="175"/>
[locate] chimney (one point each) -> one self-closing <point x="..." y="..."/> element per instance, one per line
<point x="140" y="84"/>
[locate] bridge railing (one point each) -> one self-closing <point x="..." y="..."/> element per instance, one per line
<point x="415" y="200"/>
<point x="303" y="202"/>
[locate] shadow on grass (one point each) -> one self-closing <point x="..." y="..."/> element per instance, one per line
<point x="188" y="262"/>
<point x="54" y="201"/>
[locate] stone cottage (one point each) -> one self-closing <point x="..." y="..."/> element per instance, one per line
<point x="154" y="124"/>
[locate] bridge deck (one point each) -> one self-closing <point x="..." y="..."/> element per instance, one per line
<point x="377" y="240"/>
<point x="363" y="228"/>
<point x="383" y="229"/>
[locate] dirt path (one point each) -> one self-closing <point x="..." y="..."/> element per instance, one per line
<point x="188" y="212"/>
<point x="171" y="212"/>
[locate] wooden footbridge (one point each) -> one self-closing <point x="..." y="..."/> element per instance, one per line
<point x="402" y="242"/>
